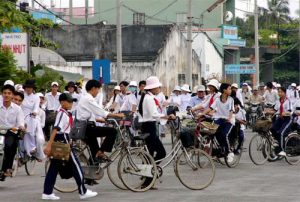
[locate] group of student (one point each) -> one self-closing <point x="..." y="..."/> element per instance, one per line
<point x="23" y="109"/>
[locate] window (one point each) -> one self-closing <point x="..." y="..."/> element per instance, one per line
<point x="195" y="79"/>
<point x="139" y="18"/>
<point x="181" y="79"/>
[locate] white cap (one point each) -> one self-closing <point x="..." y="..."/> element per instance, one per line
<point x="245" y="84"/>
<point x="133" y="83"/>
<point x="215" y="83"/>
<point x="234" y="85"/>
<point x="186" y="88"/>
<point x="117" y="88"/>
<point x="278" y="85"/>
<point x="255" y="87"/>
<point x="177" y="88"/>
<point x="9" y="82"/>
<point x="40" y="94"/>
<point x="201" y="88"/>
<point x="274" y="84"/>
<point x="54" y="83"/>
<point x="293" y="85"/>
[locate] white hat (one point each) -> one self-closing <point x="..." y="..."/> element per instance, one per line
<point x="274" y="84"/>
<point x="117" y="88"/>
<point x="278" y="85"/>
<point x="201" y="88"/>
<point x="177" y="88"/>
<point x="215" y="83"/>
<point x="293" y="85"/>
<point x="133" y="83"/>
<point x="255" y="87"/>
<point x="195" y="89"/>
<point x="245" y="84"/>
<point x="54" y="83"/>
<point x="234" y="85"/>
<point x="186" y="88"/>
<point x="152" y="82"/>
<point x="40" y="94"/>
<point x="9" y="82"/>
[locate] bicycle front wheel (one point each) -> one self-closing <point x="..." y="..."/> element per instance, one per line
<point x="29" y="165"/>
<point x="292" y="147"/>
<point x="259" y="149"/>
<point x="112" y="170"/>
<point x="199" y="170"/>
<point x="137" y="170"/>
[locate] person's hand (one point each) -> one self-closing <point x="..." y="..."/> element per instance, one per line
<point x="121" y="115"/>
<point x="22" y="128"/>
<point x="172" y="117"/>
<point x="33" y="114"/>
<point x="47" y="149"/>
<point x="14" y="129"/>
<point x="100" y="120"/>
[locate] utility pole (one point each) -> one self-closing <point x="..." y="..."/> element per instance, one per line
<point x="299" y="42"/>
<point x="119" y="41"/>
<point x="256" y="42"/>
<point x="189" y="45"/>
<point x="70" y="9"/>
<point x="86" y="11"/>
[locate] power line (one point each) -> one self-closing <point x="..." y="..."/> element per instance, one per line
<point x="162" y="10"/>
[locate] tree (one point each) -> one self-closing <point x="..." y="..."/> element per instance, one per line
<point x="7" y="64"/>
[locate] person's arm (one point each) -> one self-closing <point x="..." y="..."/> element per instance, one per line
<point x="20" y="120"/>
<point x="36" y="105"/>
<point x="43" y="118"/>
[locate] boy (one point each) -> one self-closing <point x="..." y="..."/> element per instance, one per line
<point x="62" y="127"/>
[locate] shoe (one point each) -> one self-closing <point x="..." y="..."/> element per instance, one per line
<point x="282" y="153"/>
<point x="88" y="194"/>
<point x="230" y="157"/>
<point x="2" y="176"/>
<point x="237" y="151"/>
<point x="51" y="197"/>
<point x="90" y="182"/>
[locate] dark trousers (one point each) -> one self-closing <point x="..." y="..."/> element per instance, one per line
<point x="47" y="130"/>
<point x="56" y="166"/>
<point x="223" y="133"/>
<point x="241" y="139"/>
<point x="280" y="129"/>
<point x="92" y="132"/>
<point x="10" y="150"/>
<point x="153" y="142"/>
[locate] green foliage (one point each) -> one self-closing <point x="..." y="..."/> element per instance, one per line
<point x="286" y="77"/>
<point x="7" y="64"/>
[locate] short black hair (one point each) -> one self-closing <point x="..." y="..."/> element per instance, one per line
<point x="124" y="83"/>
<point x="282" y="89"/>
<point x="269" y="85"/>
<point x="8" y="87"/>
<point x="237" y="101"/>
<point x="21" y="95"/>
<point x="224" y="86"/>
<point x="92" y="83"/>
<point x="143" y="82"/>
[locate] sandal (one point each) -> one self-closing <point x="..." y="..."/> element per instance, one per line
<point x="100" y="157"/>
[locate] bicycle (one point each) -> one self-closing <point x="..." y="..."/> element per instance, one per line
<point x="93" y="171"/>
<point x="186" y="164"/>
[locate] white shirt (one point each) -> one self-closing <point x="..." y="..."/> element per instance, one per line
<point x="240" y="96"/>
<point x="42" y="117"/>
<point x="88" y="108"/>
<point x="52" y="102"/>
<point x="78" y="97"/>
<point x="205" y="104"/>
<point x="241" y="115"/>
<point x="185" y="101"/>
<point x="223" y="109"/>
<point x="62" y="122"/>
<point x="174" y="100"/>
<point x="12" y="116"/>
<point x="99" y="98"/>
<point x="271" y="97"/>
<point x="120" y="99"/>
<point x="150" y="109"/>
<point x="129" y="101"/>
<point x="287" y="106"/>
<point x="296" y="108"/>
<point x="30" y="104"/>
<point x="293" y="95"/>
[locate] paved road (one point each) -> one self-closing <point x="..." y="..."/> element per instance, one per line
<point x="271" y="182"/>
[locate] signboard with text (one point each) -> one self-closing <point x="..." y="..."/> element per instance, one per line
<point x="18" y="44"/>
<point x="229" y="32"/>
<point x="240" y="69"/>
<point x="101" y="70"/>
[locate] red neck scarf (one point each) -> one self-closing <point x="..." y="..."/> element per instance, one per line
<point x="70" y="117"/>
<point x="157" y="104"/>
<point x="281" y="109"/>
<point x="211" y="101"/>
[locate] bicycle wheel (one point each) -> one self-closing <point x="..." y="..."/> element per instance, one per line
<point x="135" y="167"/>
<point x="29" y="165"/>
<point x="199" y="171"/>
<point x="259" y="149"/>
<point x="112" y="170"/>
<point x="292" y="147"/>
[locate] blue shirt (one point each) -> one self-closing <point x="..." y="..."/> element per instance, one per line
<point x="196" y="101"/>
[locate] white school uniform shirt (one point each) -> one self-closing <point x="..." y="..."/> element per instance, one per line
<point x="241" y="115"/>
<point x="287" y="106"/>
<point x="215" y="96"/>
<point x="42" y="117"/>
<point x="62" y="122"/>
<point x="12" y="116"/>
<point x="30" y="104"/>
<point x="271" y="97"/>
<point x="185" y="101"/>
<point x="88" y="109"/>
<point x="52" y="102"/>
<point x="296" y="109"/>
<point x="240" y="96"/>
<point x="222" y="109"/>
<point x="293" y="96"/>
<point x="99" y="98"/>
<point x="120" y="99"/>
<point x="150" y="109"/>
<point x="78" y="97"/>
<point x="128" y="103"/>
<point x="174" y="100"/>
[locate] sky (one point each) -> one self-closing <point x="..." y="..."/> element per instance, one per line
<point x="246" y="5"/>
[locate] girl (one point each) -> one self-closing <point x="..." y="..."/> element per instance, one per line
<point x="223" y="116"/>
<point x="281" y="125"/>
<point x="116" y="91"/>
<point x="240" y="116"/>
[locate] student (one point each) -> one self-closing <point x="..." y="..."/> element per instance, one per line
<point x="223" y="116"/>
<point x="281" y="125"/>
<point x="11" y="118"/>
<point x="240" y="116"/>
<point x="62" y="126"/>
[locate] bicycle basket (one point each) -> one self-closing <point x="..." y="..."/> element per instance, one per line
<point x="262" y="125"/>
<point x="93" y="172"/>
<point x="187" y="136"/>
<point x="208" y="127"/>
<point x="188" y="123"/>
